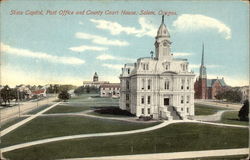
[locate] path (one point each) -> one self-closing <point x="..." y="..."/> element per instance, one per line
<point x="211" y="118"/>
<point x="165" y="123"/>
<point x="174" y="155"/>
<point x="11" y="128"/>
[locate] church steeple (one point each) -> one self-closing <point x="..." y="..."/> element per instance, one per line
<point x="203" y="73"/>
<point x="162" y="42"/>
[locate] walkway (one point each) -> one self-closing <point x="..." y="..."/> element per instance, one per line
<point x="211" y="118"/>
<point x="174" y="155"/>
<point x="11" y="128"/>
<point x="165" y="123"/>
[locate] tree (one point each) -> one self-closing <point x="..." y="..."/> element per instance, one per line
<point x="64" y="95"/>
<point x="5" y="94"/>
<point x="244" y="111"/>
<point x="229" y="95"/>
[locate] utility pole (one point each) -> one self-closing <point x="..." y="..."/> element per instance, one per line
<point x="19" y="110"/>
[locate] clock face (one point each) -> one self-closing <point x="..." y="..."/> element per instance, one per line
<point x="165" y="43"/>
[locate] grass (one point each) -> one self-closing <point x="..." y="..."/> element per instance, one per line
<point x="201" y="109"/>
<point x="11" y="122"/>
<point x="172" y="138"/>
<point x="48" y="127"/>
<point x="40" y="108"/>
<point x="232" y="118"/>
<point x="67" y="109"/>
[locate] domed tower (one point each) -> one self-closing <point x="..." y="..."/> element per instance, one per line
<point x="162" y="42"/>
<point x="95" y="77"/>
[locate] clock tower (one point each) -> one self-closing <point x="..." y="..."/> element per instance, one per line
<point x="162" y="42"/>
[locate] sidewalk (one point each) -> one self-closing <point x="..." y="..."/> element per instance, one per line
<point x="174" y="155"/>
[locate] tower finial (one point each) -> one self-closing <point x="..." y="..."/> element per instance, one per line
<point x="202" y="59"/>
<point x="162" y="19"/>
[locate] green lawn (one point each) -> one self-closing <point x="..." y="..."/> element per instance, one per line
<point x="232" y="118"/>
<point x="11" y="122"/>
<point x="67" y="109"/>
<point x="201" y="109"/>
<point x="40" y="108"/>
<point x="173" y="138"/>
<point x="47" y="127"/>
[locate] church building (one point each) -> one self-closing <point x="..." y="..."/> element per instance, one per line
<point x="159" y="86"/>
<point x="207" y="88"/>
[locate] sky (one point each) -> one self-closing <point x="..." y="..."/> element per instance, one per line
<point x="44" y="42"/>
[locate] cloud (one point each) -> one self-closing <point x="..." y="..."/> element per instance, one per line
<point x="13" y="75"/>
<point x="115" y="28"/>
<point x="193" y="66"/>
<point x="113" y="66"/>
<point x="104" y="57"/>
<point x="193" y="22"/>
<point x="87" y="48"/>
<point x="41" y="55"/>
<point x="101" y="40"/>
<point x="182" y="54"/>
<point x="81" y="23"/>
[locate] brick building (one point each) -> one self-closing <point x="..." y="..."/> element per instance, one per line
<point x="207" y="88"/>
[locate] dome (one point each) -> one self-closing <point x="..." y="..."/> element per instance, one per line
<point x="163" y="31"/>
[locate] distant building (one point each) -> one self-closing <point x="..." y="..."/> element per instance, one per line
<point x="207" y="88"/>
<point x="95" y="83"/>
<point x="39" y="93"/>
<point x="24" y="92"/>
<point x="110" y="90"/>
<point x="159" y="86"/>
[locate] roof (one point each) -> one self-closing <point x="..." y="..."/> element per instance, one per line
<point x="111" y="85"/>
<point x="210" y="82"/>
<point x="41" y="91"/>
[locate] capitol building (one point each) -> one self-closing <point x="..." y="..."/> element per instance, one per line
<point x="159" y="86"/>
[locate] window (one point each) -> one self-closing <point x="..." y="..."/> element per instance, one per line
<point x="188" y="98"/>
<point x="127" y="96"/>
<point x="148" y="110"/>
<point x="127" y="106"/>
<point x="167" y="84"/>
<point x="149" y="99"/>
<point x="128" y="71"/>
<point x="146" y="66"/>
<point x="167" y="67"/>
<point x="182" y="99"/>
<point x="149" y="84"/>
<point x="142" y="111"/>
<point x="143" y="84"/>
<point x="188" y="84"/>
<point x="181" y="109"/>
<point x="127" y="84"/>
<point x="182" y="83"/>
<point x="187" y="110"/>
<point x="142" y="100"/>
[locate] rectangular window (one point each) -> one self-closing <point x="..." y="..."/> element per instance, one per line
<point x="127" y="106"/>
<point x="188" y="98"/>
<point x="182" y="99"/>
<point x="149" y="84"/>
<point x="143" y="84"/>
<point x="148" y="110"/>
<point x="187" y="84"/>
<point x="127" y="96"/>
<point x="187" y="110"/>
<point x="128" y="71"/>
<point x="149" y="99"/>
<point x="142" y="111"/>
<point x="142" y="100"/>
<point x="182" y="83"/>
<point x="167" y="84"/>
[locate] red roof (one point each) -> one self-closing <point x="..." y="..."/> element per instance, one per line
<point x="41" y="91"/>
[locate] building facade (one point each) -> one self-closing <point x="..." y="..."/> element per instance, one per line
<point x="159" y="86"/>
<point x="110" y="90"/>
<point x="95" y="83"/>
<point x="207" y="88"/>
